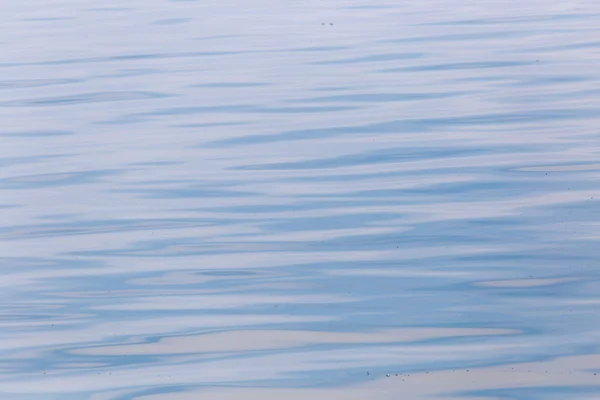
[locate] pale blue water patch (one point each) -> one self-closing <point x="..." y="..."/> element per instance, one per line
<point x="319" y="49"/>
<point x="83" y="98"/>
<point x="469" y="66"/>
<point x="118" y="58"/>
<point x="230" y="84"/>
<point x="415" y="125"/>
<point x="172" y="21"/>
<point x="35" y="83"/>
<point x="311" y="200"/>
<point x="210" y="124"/>
<point x="377" y="97"/>
<point x="551" y="80"/>
<point x="571" y="46"/>
<point x="51" y="180"/>
<point x="375" y="58"/>
<point x="12" y="161"/>
<point x="230" y="109"/>
<point x="519" y="19"/>
<point x="475" y="36"/>
<point x="40" y="134"/>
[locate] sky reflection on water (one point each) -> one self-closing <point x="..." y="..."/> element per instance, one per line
<point x="320" y="199"/>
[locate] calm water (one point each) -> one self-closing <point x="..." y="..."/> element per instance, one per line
<point x="300" y="200"/>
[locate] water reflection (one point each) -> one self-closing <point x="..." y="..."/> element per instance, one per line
<point x="552" y="379"/>
<point x="350" y="200"/>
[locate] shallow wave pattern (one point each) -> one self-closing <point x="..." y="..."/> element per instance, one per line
<point x="317" y="199"/>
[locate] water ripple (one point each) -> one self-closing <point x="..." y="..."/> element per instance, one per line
<point x="359" y="200"/>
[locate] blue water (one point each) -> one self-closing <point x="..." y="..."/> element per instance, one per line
<point x="300" y="200"/>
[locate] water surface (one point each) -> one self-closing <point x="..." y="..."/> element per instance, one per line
<point x="317" y="199"/>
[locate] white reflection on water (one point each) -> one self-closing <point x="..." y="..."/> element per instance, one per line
<point x="263" y="340"/>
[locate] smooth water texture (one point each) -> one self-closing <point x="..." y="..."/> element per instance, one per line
<point x="300" y="199"/>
